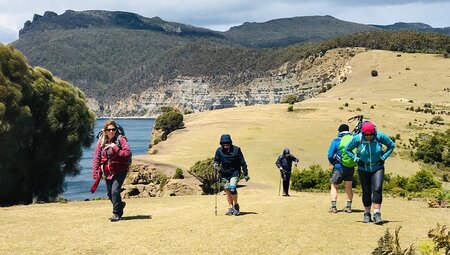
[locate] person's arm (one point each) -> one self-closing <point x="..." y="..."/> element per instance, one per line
<point x="384" y="139"/>
<point x="124" y="151"/>
<point x="352" y="145"/>
<point x="331" y="151"/>
<point x="96" y="161"/>
<point x="278" y="162"/>
<point x="243" y="163"/>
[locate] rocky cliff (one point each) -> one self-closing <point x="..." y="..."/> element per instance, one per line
<point x="306" y="78"/>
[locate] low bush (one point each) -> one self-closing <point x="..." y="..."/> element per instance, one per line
<point x="313" y="178"/>
<point x="178" y="174"/>
<point x="374" y="73"/>
<point x="290" y="99"/>
<point x="204" y="171"/>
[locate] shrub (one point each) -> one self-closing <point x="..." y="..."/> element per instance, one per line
<point x="374" y="73"/>
<point x="346" y="104"/>
<point x="433" y="148"/>
<point x="422" y="180"/>
<point x="169" y="121"/>
<point x="441" y="238"/>
<point x="312" y="178"/>
<point x="390" y="244"/>
<point x="290" y="99"/>
<point x="290" y="108"/>
<point x="437" y="120"/>
<point x="187" y="111"/>
<point x="358" y="109"/>
<point x="372" y="107"/>
<point x="178" y="174"/>
<point x="204" y="171"/>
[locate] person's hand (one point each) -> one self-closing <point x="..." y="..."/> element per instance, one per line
<point x="380" y="162"/>
<point x="112" y="145"/>
<point x="281" y="169"/>
<point x="216" y="167"/>
<point x="246" y="178"/>
<point x="361" y="163"/>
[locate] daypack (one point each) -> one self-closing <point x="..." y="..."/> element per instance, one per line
<point x="346" y="160"/>
<point x="121" y="133"/>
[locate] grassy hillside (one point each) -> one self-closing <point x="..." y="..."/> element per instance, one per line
<point x="270" y="224"/>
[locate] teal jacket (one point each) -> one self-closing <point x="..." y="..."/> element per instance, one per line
<point x="370" y="152"/>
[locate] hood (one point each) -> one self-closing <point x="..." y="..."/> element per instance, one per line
<point x="286" y="151"/>
<point x="225" y="138"/>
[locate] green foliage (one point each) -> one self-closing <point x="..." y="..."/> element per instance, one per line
<point x="168" y="122"/>
<point x="390" y="244"/>
<point x="187" y="111"/>
<point x="440" y="238"/>
<point x="290" y="99"/>
<point x="44" y="122"/>
<point x="178" y="174"/>
<point x="434" y="148"/>
<point x="204" y="171"/>
<point x="421" y="181"/>
<point x="290" y="108"/>
<point x="313" y="178"/>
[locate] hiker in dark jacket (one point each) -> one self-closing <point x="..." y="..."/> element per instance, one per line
<point x="111" y="156"/>
<point x="370" y="157"/>
<point x="284" y="163"/>
<point x="228" y="161"/>
<point x="340" y="173"/>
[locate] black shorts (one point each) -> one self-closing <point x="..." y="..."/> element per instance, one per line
<point x="339" y="176"/>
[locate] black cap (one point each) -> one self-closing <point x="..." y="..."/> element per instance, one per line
<point x="343" y="127"/>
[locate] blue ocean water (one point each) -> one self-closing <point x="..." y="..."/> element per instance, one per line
<point x="138" y="132"/>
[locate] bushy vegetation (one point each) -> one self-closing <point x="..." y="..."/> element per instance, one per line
<point x="438" y="243"/>
<point x="433" y="148"/>
<point x="422" y="184"/>
<point x="44" y="122"/>
<point x="178" y="174"/>
<point x="169" y="121"/>
<point x="204" y="171"/>
<point x="290" y="99"/>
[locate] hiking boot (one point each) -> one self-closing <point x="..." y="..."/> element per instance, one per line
<point x="377" y="218"/>
<point x="236" y="208"/>
<point x="115" y="218"/>
<point x="230" y="212"/>
<point x="333" y="210"/>
<point x="286" y="195"/>
<point x="367" y="217"/>
<point x="123" y="206"/>
<point x="347" y="209"/>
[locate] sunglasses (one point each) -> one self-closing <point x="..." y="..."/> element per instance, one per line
<point x="111" y="129"/>
<point x="368" y="134"/>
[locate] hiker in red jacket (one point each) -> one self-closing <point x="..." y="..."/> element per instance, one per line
<point x="111" y="156"/>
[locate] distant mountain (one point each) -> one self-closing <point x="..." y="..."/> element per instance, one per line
<point x="288" y="31"/>
<point x="114" y="55"/>
<point x="421" y="27"/>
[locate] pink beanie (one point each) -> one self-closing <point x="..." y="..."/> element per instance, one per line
<point x="368" y="127"/>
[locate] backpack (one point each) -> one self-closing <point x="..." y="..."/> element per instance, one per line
<point x="346" y="160"/>
<point x="121" y="133"/>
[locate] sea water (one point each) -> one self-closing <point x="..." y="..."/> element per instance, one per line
<point x="138" y="132"/>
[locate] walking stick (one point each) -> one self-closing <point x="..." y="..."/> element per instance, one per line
<point x="217" y="191"/>
<point x="279" y="186"/>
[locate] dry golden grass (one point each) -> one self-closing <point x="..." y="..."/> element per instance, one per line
<point x="271" y="224"/>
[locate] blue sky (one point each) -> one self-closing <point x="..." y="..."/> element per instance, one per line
<point x="223" y="14"/>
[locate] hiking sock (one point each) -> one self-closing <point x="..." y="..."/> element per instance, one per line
<point x="349" y="204"/>
<point x="333" y="204"/>
<point x="366" y="210"/>
<point x="377" y="210"/>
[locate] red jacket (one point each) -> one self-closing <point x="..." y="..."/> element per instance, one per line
<point x="113" y="159"/>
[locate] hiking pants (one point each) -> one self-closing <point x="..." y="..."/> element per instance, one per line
<point x="114" y="186"/>
<point x="286" y="177"/>
<point x="372" y="186"/>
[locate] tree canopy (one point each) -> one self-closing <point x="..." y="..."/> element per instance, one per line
<point x="44" y="122"/>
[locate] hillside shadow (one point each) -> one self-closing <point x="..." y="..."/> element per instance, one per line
<point x="384" y="222"/>
<point x="137" y="217"/>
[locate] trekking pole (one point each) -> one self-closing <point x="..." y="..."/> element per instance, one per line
<point x="217" y="191"/>
<point x="279" y="186"/>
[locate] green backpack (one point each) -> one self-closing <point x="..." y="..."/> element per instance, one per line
<point x="346" y="160"/>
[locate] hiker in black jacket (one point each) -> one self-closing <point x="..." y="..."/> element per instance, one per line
<point x="284" y="163"/>
<point x="228" y="161"/>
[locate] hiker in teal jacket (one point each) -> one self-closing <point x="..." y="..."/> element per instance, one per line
<point x="370" y="158"/>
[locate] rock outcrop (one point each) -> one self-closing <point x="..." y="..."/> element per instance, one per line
<point x="304" y="79"/>
<point x="144" y="180"/>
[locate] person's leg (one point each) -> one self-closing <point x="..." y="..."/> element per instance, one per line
<point x="365" y="179"/>
<point x="335" y="180"/>
<point x="286" y="179"/>
<point x="377" y="194"/>
<point x="348" y="182"/>
<point x="116" y="188"/>
<point x="108" y="188"/>
<point x="234" y="194"/>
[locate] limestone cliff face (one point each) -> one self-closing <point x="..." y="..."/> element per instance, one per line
<point x="305" y="79"/>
